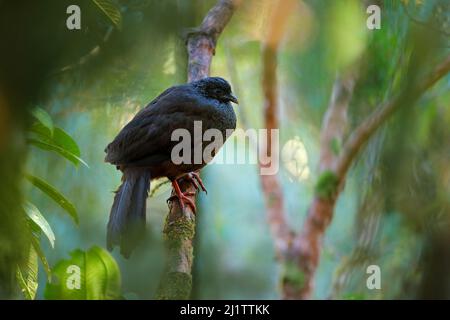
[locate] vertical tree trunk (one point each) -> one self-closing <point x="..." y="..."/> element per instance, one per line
<point x="306" y="247"/>
<point x="179" y="229"/>
<point x="273" y="194"/>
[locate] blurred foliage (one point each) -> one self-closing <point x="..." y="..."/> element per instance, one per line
<point x="344" y="33"/>
<point x="27" y="275"/>
<point x="48" y="138"/>
<point x="39" y="222"/>
<point x="87" y="275"/>
<point x="111" y="10"/>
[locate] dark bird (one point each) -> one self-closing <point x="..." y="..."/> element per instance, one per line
<point x="142" y="151"/>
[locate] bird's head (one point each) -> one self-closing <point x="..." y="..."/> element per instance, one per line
<point x="215" y="88"/>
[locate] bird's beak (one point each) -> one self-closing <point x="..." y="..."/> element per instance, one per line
<point x="232" y="98"/>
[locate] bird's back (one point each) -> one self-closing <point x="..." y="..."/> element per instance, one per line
<point x="147" y="138"/>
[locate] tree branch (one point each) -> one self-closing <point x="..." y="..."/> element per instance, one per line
<point x="366" y="129"/>
<point x="270" y="184"/>
<point x="201" y="41"/>
<point x="335" y="121"/>
<point x="305" y="250"/>
<point x="307" y="245"/>
<point x="179" y="229"/>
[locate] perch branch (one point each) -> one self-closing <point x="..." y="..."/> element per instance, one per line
<point x="179" y="229"/>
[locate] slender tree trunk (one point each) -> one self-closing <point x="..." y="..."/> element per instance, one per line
<point x="273" y="194"/>
<point x="179" y="229"/>
<point x="307" y="245"/>
<point x="305" y="249"/>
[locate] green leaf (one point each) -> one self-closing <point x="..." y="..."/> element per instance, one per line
<point x="40" y="130"/>
<point x="44" y="118"/>
<point x="63" y="152"/>
<point x="60" y="142"/>
<point x="37" y="247"/>
<point x="38" y="219"/>
<point x="65" y="141"/>
<point x="87" y="275"/>
<point x="111" y="10"/>
<point x="354" y="296"/>
<point x="53" y="193"/>
<point x="27" y="275"/>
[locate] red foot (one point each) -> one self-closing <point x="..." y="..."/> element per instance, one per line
<point x="195" y="179"/>
<point x="182" y="197"/>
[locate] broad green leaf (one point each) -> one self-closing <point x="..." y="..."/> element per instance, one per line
<point x="63" y="152"/>
<point x="44" y="118"/>
<point x="37" y="247"/>
<point x="38" y="219"/>
<point x="53" y="193"/>
<point x="41" y="131"/>
<point x="59" y="138"/>
<point x="27" y="275"/>
<point x="87" y="275"/>
<point x="111" y="10"/>
<point x="60" y="142"/>
<point x="65" y="141"/>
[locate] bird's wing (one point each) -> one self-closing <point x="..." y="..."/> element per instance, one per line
<point x="147" y="137"/>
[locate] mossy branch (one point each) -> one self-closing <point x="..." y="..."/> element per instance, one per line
<point x="179" y="229"/>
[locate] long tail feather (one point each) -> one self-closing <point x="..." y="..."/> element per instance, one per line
<point x="126" y="224"/>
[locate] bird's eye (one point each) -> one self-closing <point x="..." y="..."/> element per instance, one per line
<point x="217" y="92"/>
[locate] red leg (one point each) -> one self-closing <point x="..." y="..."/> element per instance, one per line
<point x="192" y="180"/>
<point x="182" y="197"/>
<point x="194" y="177"/>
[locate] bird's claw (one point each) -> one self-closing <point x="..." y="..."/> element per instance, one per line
<point x="183" y="197"/>
<point x="183" y="200"/>
<point x="195" y="179"/>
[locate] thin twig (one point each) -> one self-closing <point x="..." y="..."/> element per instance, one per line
<point x="366" y="129"/>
